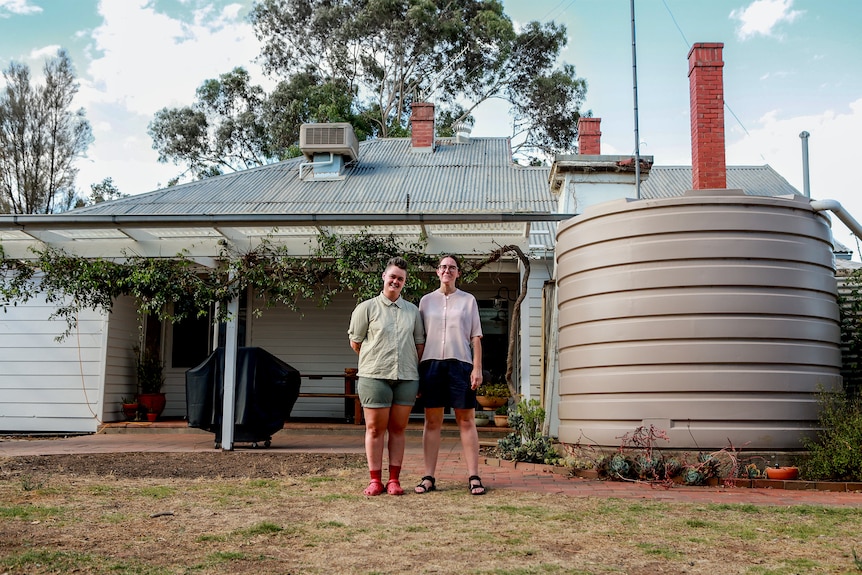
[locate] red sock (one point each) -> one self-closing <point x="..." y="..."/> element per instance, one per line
<point x="394" y="471"/>
<point x="377" y="474"/>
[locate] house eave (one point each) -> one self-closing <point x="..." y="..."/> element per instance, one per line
<point x="206" y="235"/>
<point x="565" y="164"/>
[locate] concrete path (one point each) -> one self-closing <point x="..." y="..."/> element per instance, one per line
<point x="451" y="472"/>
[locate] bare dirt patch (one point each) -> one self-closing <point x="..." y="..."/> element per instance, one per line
<point x="255" y="512"/>
<point x="223" y="464"/>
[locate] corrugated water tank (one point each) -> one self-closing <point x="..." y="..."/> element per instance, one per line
<point x="712" y="316"/>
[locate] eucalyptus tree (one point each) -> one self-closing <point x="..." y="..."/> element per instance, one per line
<point x="222" y="131"/>
<point x="234" y="125"/>
<point x="461" y="53"/>
<point x="365" y="62"/>
<point x="41" y="136"/>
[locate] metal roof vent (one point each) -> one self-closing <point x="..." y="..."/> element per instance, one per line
<point x="462" y="132"/>
<point x="337" y="138"/>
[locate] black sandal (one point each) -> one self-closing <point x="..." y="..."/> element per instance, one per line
<point x="424" y="489"/>
<point x="478" y="485"/>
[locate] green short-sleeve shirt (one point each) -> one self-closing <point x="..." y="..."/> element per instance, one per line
<point x="389" y="333"/>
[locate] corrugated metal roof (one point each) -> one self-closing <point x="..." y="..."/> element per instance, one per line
<point x="388" y="178"/>
<point x="672" y="181"/>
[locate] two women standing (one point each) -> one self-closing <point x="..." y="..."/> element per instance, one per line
<point x="387" y="333"/>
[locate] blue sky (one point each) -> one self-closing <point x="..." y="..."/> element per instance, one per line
<point x="790" y="65"/>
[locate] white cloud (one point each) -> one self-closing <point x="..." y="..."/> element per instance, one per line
<point x="763" y="16"/>
<point x="145" y="60"/>
<point x="45" y="52"/>
<point x="831" y="154"/>
<point x="19" y="7"/>
<point x="148" y="60"/>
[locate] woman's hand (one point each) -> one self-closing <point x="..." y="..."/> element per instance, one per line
<point x="476" y="378"/>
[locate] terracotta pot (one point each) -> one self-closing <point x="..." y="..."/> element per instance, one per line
<point x="501" y="420"/>
<point x="785" y="473"/>
<point x="152" y="416"/>
<point x="492" y="402"/>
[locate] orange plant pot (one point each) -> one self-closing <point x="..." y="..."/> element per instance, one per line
<point x="782" y="472"/>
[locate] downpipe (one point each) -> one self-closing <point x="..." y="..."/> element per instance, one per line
<point x="836" y="208"/>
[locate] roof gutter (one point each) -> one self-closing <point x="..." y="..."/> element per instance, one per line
<point x="63" y="221"/>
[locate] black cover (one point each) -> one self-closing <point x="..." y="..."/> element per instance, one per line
<point x="266" y="391"/>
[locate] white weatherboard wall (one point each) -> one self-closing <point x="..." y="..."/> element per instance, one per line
<point x="314" y="341"/>
<point x="123" y="335"/>
<point x="531" y="326"/>
<point x="45" y="385"/>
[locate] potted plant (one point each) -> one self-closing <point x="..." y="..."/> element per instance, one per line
<point x="130" y="407"/>
<point x="492" y="395"/>
<point x="149" y="371"/>
<point x="501" y="416"/>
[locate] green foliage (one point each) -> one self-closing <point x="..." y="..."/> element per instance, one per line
<point x="41" y="137"/>
<point x="836" y="451"/>
<point x="460" y="51"/>
<point x="222" y="130"/>
<point x="493" y="390"/>
<point x="175" y="288"/>
<point x="149" y="370"/>
<point x="526" y="443"/>
<point x="105" y="191"/>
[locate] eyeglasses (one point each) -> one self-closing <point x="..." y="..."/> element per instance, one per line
<point x="450" y="268"/>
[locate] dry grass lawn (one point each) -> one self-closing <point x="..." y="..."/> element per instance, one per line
<point x="242" y="513"/>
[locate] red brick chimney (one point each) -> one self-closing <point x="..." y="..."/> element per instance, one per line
<point x="589" y="136"/>
<point x="706" y="87"/>
<point x="422" y="126"/>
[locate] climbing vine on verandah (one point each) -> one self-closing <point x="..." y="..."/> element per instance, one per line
<point x="178" y="287"/>
<point x="175" y="288"/>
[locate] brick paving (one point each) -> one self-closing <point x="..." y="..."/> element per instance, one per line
<point x="451" y="473"/>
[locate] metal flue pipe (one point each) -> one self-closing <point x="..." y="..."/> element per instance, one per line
<point x="806" y="187"/>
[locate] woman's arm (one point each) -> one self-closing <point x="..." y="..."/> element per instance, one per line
<point x="476" y="374"/>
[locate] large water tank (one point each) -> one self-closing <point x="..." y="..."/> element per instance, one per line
<point x="712" y="316"/>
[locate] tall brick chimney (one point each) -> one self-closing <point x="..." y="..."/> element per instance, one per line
<point x="422" y="127"/>
<point x="706" y="88"/>
<point x="589" y="136"/>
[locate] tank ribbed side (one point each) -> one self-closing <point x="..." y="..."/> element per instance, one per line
<point x="712" y="316"/>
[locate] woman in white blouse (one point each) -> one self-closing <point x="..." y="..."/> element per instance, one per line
<point x="450" y="371"/>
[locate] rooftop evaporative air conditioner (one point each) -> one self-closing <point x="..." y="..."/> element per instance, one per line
<point x="337" y="138"/>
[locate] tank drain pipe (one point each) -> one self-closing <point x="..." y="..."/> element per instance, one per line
<point x="837" y="209"/>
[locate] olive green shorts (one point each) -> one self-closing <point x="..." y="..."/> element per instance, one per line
<point x="376" y="393"/>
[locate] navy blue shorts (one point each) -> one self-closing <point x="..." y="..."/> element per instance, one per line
<point x="446" y="383"/>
